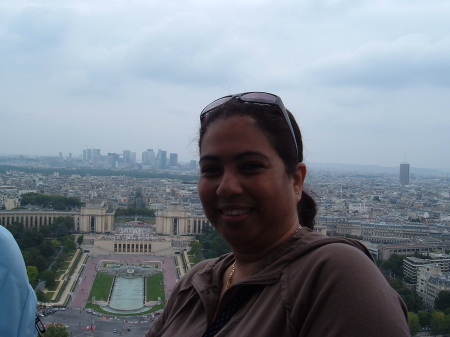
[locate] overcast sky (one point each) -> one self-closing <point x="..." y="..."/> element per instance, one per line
<point x="368" y="80"/>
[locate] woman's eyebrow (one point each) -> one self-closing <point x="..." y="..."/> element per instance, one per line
<point x="209" y="157"/>
<point x="239" y="156"/>
<point x="251" y="153"/>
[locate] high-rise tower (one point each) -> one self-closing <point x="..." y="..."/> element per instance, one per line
<point x="404" y="174"/>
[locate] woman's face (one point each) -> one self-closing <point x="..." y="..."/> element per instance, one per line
<point x="244" y="187"/>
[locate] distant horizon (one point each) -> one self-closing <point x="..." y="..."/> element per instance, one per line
<point x="342" y="165"/>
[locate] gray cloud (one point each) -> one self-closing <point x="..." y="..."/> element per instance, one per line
<point x="367" y="80"/>
<point x="409" y="61"/>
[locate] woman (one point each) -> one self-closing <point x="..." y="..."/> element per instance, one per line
<point x="281" y="279"/>
<point x="17" y="298"/>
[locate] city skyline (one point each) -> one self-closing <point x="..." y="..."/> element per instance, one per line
<point x="192" y="164"/>
<point x="367" y="81"/>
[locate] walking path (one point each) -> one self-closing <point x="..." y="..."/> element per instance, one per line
<point x="65" y="276"/>
<point x="72" y="278"/>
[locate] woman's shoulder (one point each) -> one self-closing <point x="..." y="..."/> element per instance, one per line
<point x="309" y="242"/>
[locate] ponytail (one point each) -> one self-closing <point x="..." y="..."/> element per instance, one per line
<point x="307" y="210"/>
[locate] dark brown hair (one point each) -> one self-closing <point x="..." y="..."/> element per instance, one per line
<point x="272" y="123"/>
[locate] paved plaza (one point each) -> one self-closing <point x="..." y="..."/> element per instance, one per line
<point x="79" y="320"/>
<point x="84" y="283"/>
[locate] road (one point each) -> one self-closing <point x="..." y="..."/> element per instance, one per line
<point x="78" y="322"/>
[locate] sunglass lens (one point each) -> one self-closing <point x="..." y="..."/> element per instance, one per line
<point x="260" y="96"/>
<point x="216" y="103"/>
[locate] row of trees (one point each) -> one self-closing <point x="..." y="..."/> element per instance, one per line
<point x="131" y="212"/>
<point x="210" y="244"/>
<point x="102" y="172"/>
<point x="55" y="202"/>
<point x="57" y="330"/>
<point x="39" y="248"/>
<point x="437" y="321"/>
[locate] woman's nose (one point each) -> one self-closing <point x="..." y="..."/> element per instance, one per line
<point x="229" y="185"/>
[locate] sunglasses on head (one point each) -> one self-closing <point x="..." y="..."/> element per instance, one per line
<point x="253" y="97"/>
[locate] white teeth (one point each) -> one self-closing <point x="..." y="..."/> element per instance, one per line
<point x="235" y="211"/>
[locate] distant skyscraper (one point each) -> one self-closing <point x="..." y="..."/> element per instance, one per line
<point x="148" y="157"/>
<point x="113" y="159"/>
<point x="126" y="156"/>
<point x="404" y="174"/>
<point x="161" y="159"/>
<point x="89" y="154"/>
<point x="173" y="159"/>
<point x="193" y="165"/>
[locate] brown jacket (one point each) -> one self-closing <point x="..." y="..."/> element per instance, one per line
<point x="310" y="286"/>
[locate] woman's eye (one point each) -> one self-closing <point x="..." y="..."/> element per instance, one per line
<point x="251" y="167"/>
<point x="210" y="170"/>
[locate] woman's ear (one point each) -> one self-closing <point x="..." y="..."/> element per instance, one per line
<point x="299" y="178"/>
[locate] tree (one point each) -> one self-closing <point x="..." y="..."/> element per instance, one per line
<point x="413" y="301"/>
<point x="213" y="244"/>
<point x="49" y="277"/>
<point x="133" y="211"/>
<point x="196" y="252"/>
<point x="61" y="231"/>
<point x="40" y="296"/>
<point x="424" y="318"/>
<point x="413" y="323"/>
<point x="16" y="230"/>
<point x="394" y="264"/>
<point x="437" y="323"/>
<point x="57" y="330"/>
<point x="447" y="323"/>
<point x="32" y="273"/>
<point x="56" y="202"/>
<point x="66" y="221"/>
<point x="33" y="257"/>
<point x="47" y="249"/>
<point x="396" y="284"/>
<point x="442" y="302"/>
<point x="31" y="238"/>
<point x="69" y="243"/>
<point x="196" y="248"/>
<point x="80" y="239"/>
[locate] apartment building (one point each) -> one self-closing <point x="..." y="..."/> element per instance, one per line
<point x="411" y="265"/>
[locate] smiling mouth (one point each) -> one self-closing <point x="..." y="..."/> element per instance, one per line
<point x="235" y="212"/>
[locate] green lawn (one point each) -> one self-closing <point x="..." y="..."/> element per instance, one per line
<point x="48" y="296"/>
<point x="101" y="287"/>
<point x="155" y="288"/>
<point x="65" y="264"/>
<point x="53" y="287"/>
